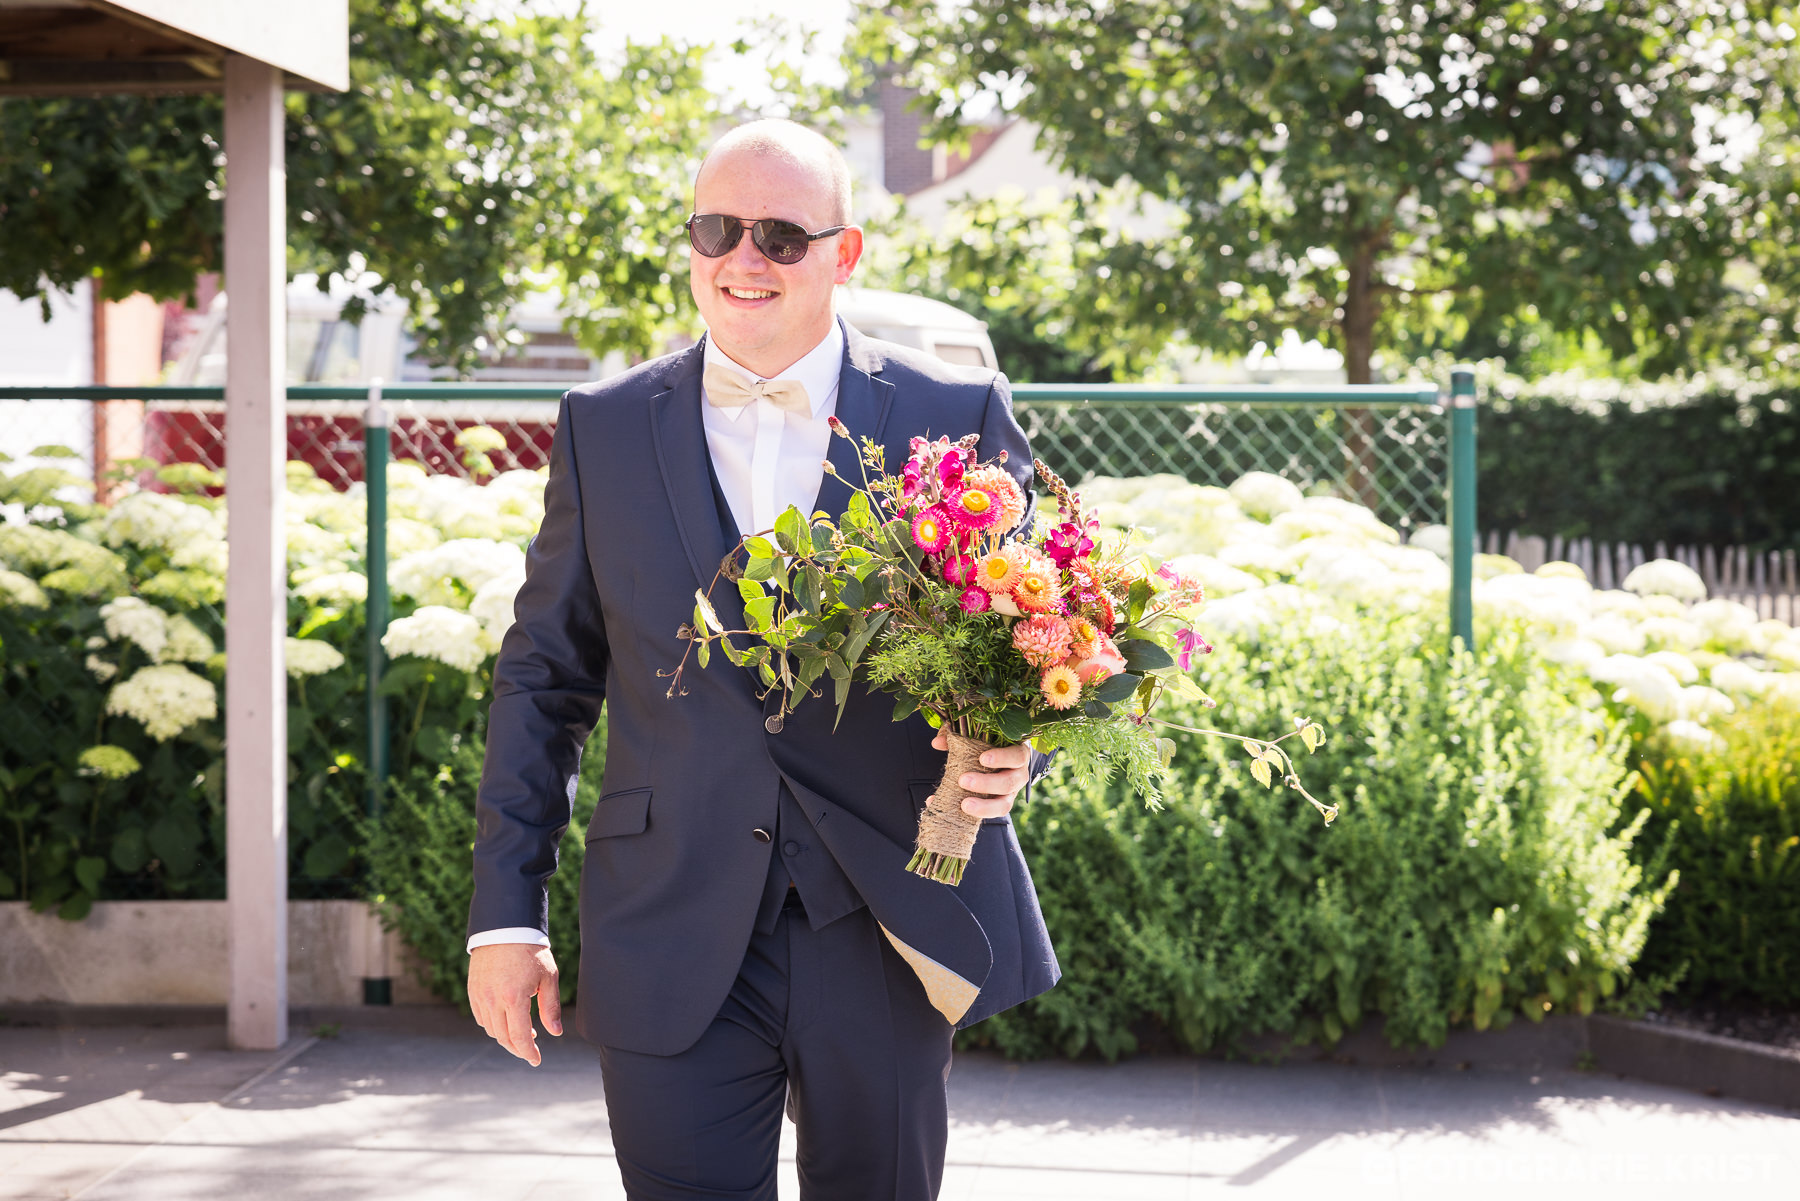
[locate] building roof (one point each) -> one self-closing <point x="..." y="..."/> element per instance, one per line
<point x="95" y="47"/>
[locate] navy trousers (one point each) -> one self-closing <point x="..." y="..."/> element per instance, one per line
<point x="830" y="1024"/>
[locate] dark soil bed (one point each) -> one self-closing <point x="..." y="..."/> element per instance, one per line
<point x="1749" y="1022"/>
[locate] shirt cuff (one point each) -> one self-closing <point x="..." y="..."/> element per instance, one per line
<point x="524" y="934"/>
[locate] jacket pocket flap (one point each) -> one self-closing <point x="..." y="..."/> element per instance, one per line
<point x="620" y="813"/>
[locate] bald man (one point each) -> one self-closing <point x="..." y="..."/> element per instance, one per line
<point x="751" y="938"/>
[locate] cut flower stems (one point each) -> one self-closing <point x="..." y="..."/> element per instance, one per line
<point x="937" y="587"/>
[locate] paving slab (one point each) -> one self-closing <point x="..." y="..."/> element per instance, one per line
<point x="136" y="1114"/>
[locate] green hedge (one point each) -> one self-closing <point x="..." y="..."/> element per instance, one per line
<point x="420" y="880"/>
<point x="1728" y="819"/>
<point x="1475" y="874"/>
<point x="1715" y="469"/>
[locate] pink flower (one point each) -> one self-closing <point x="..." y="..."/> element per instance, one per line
<point x="974" y="508"/>
<point x="951" y="467"/>
<point x="1043" y="640"/>
<point x="975" y="600"/>
<point x="1106" y="661"/>
<point x="930" y="531"/>
<point x="1006" y="489"/>
<point x="1068" y="542"/>
<point x="911" y="480"/>
<point x="1190" y="641"/>
<point x="960" y="569"/>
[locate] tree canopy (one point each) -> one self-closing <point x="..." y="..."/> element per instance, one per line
<point x="1404" y="176"/>
<point x="472" y="160"/>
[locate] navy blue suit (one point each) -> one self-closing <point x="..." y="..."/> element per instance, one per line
<point x="677" y="878"/>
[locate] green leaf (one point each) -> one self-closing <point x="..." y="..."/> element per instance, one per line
<point x="1139" y="597"/>
<point x="1114" y="689"/>
<point x="760" y="613"/>
<point x="859" y="638"/>
<point x="76" y="907"/>
<point x="1142" y="655"/>
<point x="821" y="538"/>
<point x="433" y="744"/>
<point x="750" y="590"/>
<point x="759" y="547"/>
<point x="905" y="705"/>
<point x="812" y="666"/>
<point x="89" y="871"/>
<point x="703" y="652"/>
<point x="851" y="593"/>
<point x="791" y="531"/>
<point x="809" y="588"/>
<point x="759" y="569"/>
<point x="326" y="858"/>
<point x="175" y="840"/>
<point x="1014" y="724"/>
<point x="705" y="613"/>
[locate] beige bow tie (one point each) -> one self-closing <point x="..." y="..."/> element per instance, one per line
<point x="726" y="389"/>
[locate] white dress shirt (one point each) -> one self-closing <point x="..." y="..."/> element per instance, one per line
<point x="766" y="459"/>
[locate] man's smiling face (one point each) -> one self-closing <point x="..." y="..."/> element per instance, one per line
<point x="764" y="315"/>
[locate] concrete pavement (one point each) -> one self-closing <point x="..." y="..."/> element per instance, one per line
<point x="167" y="1114"/>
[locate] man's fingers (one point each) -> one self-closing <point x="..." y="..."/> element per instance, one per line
<point x="994" y="783"/>
<point x="550" y="1005"/>
<point x="520" y="1038"/>
<point x="939" y="742"/>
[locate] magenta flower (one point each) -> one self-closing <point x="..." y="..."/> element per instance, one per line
<point x="1189" y="642"/>
<point x="1067" y="543"/>
<point x="975" y="599"/>
<point x="960" y="569"/>
<point x="911" y="480"/>
<point x="931" y="530"/>
<point x="951" y="467"/>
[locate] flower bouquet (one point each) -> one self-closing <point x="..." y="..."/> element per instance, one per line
<point x="933" y="586"/>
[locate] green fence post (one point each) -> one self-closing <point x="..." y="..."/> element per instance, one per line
<point x="1462" y="507"/>
<point x="377" y="989"/>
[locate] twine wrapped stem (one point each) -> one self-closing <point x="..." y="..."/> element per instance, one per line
<point x="946" y="832"/>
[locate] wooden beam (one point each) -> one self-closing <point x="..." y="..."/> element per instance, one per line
<point x="256" y="571"/>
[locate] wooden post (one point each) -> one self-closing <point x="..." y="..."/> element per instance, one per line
<point x="256" y="578"/>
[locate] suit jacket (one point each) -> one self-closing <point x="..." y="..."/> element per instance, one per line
<point x="673" y="872"/>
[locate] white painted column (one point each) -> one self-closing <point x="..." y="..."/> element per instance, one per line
<point x="256" y="581"/>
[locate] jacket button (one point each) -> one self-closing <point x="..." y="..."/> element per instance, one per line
<point x="790" y="848"/>
<point x="772" y="723"/>
<point x="761" y="835"/>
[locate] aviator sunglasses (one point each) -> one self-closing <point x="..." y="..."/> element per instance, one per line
<point x="782" y="242"/>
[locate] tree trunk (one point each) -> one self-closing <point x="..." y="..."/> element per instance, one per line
<point x="1360" y="310"/>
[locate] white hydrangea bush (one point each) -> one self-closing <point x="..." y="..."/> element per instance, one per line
<point x="1277" y="561"/>
<point x="456" y="561"/>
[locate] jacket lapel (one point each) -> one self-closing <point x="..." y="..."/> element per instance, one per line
<point x="680" y="440"/>
<point x="863" y="404"/>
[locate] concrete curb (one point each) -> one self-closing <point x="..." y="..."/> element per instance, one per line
<point x="1707" y="1063"/>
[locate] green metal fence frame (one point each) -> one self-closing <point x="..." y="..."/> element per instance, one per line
<point x="1460" y="485"/>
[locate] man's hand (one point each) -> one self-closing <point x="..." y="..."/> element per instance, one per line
<point x="1005" y="770"/>
<point x="503" y="977"/>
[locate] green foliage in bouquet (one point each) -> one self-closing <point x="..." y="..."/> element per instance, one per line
<point x="1727" y="817"/>
<point x="933" y="587"/>
<point x="1478" y="872"/>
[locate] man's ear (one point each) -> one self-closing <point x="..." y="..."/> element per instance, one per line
<point x="850" y="248"/>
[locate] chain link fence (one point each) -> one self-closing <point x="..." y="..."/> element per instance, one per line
<point x="1387" y="448"/>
